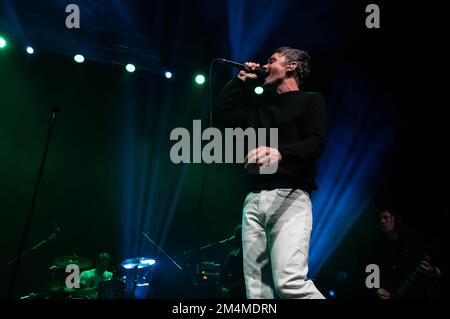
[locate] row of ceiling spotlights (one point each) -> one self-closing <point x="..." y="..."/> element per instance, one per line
<point x="79" y="58"/>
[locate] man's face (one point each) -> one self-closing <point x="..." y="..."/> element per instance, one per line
<point x="102" y="265"/>
<point x="275" y="69"/>
<point x="387" y="222"/>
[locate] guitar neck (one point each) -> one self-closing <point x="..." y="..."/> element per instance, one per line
<point x="408" y="281"/>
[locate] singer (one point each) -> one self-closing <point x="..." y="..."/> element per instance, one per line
<point x="277" y="212"/>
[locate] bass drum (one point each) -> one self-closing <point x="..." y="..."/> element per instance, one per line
<point x="111" y="289"/>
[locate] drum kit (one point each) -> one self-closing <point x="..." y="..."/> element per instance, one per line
<point x="136" y="273"/>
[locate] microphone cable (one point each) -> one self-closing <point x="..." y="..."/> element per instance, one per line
<point x="205" y="171"/>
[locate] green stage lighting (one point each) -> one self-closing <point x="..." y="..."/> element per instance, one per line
<point x="200" y="79"/>
<point x="3" y="42"/>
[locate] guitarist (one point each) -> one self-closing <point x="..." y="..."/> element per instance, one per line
<point x="405" y="270"/>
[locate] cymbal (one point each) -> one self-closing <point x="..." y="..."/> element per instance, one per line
<point x="63" y="261"/>
<point x="139" y="262"/>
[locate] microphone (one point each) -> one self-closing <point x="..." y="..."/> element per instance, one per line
<point x="259" y="71"/>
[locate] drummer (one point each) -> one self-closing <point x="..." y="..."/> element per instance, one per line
<point x="91" y="278"/>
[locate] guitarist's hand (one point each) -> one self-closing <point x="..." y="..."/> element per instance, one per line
<point x="428" y="269"/>
<point x="383" y="293"/>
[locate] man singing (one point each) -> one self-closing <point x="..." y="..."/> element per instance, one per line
<point x="277" y="213"/>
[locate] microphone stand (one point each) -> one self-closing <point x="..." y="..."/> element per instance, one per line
<point x="30" y="213"/>
<point x="223" y="241"/>
<point x="161" y="250"/>
<point x="52" y="236"/>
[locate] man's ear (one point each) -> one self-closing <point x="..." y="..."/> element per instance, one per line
<point x="292" y="66"/>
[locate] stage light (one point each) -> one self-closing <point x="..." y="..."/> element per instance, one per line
<point x="30" y="50"/>
<point x="168" y="74"/>
<point x="79" y="58"/>
<point x="331" y="293"/>
<point x="200" y="79"/>
<point x="259" y="90"/>
<point x="130" y="68"/>
<point x="3" y="43"/>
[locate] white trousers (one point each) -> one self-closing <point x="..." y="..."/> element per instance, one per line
<point x="276" y="229"/>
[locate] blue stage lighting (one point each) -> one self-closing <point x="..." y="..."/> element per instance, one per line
<point x="245" y="25"/>
<point x="348" y="169"/>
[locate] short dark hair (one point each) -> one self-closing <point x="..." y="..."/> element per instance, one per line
<point x="104" y="258"/>
<point x="303" y="69"/>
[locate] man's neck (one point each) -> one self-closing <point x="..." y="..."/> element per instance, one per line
<point x="287" y="85"/>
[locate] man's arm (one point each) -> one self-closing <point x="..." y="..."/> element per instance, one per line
<point x="315" y="128"/>
<point x="229" y="108"/>
<point x="83" y="279"/>
<point x="229" y="111"/>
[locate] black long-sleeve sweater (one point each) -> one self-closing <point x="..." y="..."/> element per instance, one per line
<point x="301" y="121"/>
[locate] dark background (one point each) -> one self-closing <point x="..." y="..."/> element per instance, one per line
<point x="108" y="175"/>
